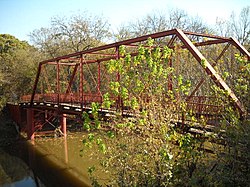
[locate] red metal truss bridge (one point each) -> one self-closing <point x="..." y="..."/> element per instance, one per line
<point x="78" y="79"/>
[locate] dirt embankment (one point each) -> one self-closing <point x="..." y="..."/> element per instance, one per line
<point x="8" y="130"/>
<point x="12" y="168"/>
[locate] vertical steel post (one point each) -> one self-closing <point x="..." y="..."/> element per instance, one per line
<point x="99" y="78"/>
<point x="99" y="83"/>
<point x="66" y="151"/>
<point x="177" y="67"/>
<point x="36" y="82"/>
<point x="118" y="104"/>
<point x="81" y="81"/>
<point x="45" y="115"/>
<point x="63" y="124"/>
<point x="72" y="79"/>
<point x="170" y="80"/>
<point x="30" y="123"/>
<point x="58" y="81"/>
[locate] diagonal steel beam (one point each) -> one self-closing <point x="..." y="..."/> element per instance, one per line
<point x="210" y="70"/>
<point x="221" y="54"/>
<point x="45" y="75"/>
<point x="240" y="48"/>
<point x="202" y="79"/>
<point x="72" y="78"/>
<point x="171" y="41"/>
<point x="35" y="84"/>
<point x="196" y="88"/>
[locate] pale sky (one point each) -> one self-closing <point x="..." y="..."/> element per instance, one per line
<point x="21" y="17"/>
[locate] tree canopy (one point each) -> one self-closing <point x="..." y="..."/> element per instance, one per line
<point x="237" y="26"/>
<point x="66" y="35"/>
<point x="18" y="65"/>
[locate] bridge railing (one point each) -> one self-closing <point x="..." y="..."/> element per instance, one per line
<point x="199" y="105"/>
<point x="205" y="105"/>
<point x="72" y="98"/>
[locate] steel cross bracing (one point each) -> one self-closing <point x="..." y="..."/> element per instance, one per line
<point x="88" y="67"/>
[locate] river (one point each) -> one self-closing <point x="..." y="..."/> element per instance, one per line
<point x="54" y="161"/>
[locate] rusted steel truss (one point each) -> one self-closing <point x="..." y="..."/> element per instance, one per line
<point x="63" y="96"/>
<point x="80" y="61"/>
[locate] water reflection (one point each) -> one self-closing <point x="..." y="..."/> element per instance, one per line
<point x="66" y="156"/>
<point x="14" y="172"/>
<point x="56" y="161"/>
<point x="25" y="182"/>
<point x="63" y="156"/>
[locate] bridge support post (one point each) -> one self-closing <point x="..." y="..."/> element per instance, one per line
<point x="63" y="124"/>
<point x="30" y="124"/>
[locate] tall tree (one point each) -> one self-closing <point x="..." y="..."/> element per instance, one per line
<point x="67" y="35"/>
<point x="241" y="26"/>
<point x="18" y="65"/>
<point x="237" y="26"/>
<point x="157" y="22"/>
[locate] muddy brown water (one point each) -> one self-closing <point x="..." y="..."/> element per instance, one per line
<point x="56" y="161"/>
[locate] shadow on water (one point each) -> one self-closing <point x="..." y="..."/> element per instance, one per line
<point x="14" y="172"/>
<point x="55" y="161"/>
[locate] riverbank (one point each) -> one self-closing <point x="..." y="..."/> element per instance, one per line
<point x="13" y="170"/>
<point x="8" y="129"/>
<point x="26" y="163"/>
